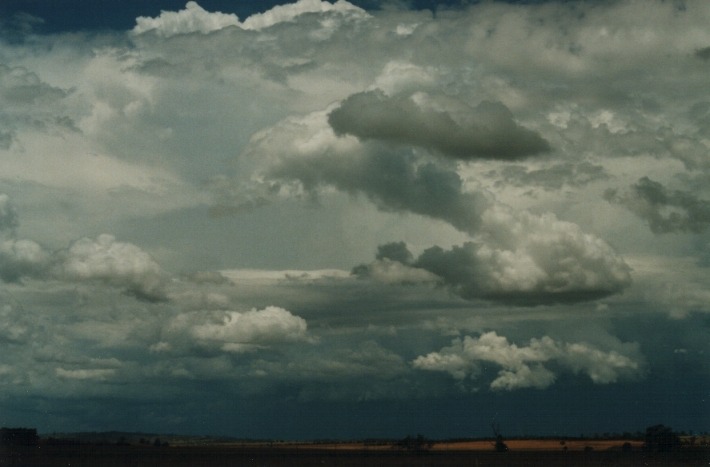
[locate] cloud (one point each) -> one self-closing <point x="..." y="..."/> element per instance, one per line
<point x="29" y="103"/>
<point x="8" y="214"/>
<point x="304" y="154"/>
<point x="115" y="263"/>
<point x="552" y="178"/>
<point x="387" y="271"/>
<point x="288" y="12"/>
<point x="93" y="374"/>
<point x="485" y="131"/>
<point x="194" y="18"/>
<point x="525" y="366"/>
<point x="514" y="256"/>
<point x="233" y="331"/>
<point x="103" y="260"/>
<point x="518" y="258"/>
<point x="703" y="53"/>
<point x="22" y="258"/>
<point x="666" y="211"/>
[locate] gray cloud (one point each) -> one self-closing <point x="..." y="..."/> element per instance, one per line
<point x="485" y="131"/>
<point x="666" y="211"/>
<point x="22" y="258"/>
<point x="307" y="152"/>
<point x="28" y="102"/>
<point x="8" y="214"/>
<point x="551" y="178"/>
<point x="703" y="53"/>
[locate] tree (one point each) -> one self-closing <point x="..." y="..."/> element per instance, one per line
<point x="660" y="438"/>
<point x="416" y="444"/>
<point x="499" y="445"/>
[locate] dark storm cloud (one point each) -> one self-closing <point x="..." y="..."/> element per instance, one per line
<point x="393" y="180"/>
<point x="703" y="53"/>
<point x="666" y="211"/>
<point x="395" y="251"/>
<point x="488" y="131"/>
<point x="8" y="214"/>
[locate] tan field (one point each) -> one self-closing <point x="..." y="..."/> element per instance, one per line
<point x="483" y="445"/>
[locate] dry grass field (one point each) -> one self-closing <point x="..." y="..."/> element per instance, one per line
<point x="548" y="453"/>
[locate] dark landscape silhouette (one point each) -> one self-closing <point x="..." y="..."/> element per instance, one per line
<point x="658" y="445"/>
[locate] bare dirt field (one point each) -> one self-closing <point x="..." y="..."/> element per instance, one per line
<point x="476" y="454"/>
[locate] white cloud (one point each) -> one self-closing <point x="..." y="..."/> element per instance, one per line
<point x="527" y="366"/>
<point x="517" y="258"/>
<point x="288" y="12"/>
<point x="233" y="331"/>
<point x="116" y="263"/>
<point x="194" y="18"/>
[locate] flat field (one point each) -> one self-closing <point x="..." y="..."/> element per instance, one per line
<point x="294" y="455"/>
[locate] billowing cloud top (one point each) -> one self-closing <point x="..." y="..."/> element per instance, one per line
<point x="196" y="19"/>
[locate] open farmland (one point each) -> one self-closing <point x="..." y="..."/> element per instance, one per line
<point x="475" y="453"/>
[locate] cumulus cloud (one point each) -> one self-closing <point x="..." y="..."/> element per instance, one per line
<point x="115" y="263"/>
<point x="287" y="12"/>
<point x="233" y="331"/>
<point x="527" y="366"/>
<point x="306" y="152"/>
<point x="487" y="130"/>
<point x="519" y="258"/>
<point x="666" y="211"/>
<point x="514" y="255"/>
<point x="22" y="258"/>
<point x="194" y="18"/>
<point x="103" y="260"/>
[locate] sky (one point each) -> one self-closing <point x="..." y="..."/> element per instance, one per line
<point x="345" y="220"/>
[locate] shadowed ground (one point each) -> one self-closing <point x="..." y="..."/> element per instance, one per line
<point x="204" y="456"/>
